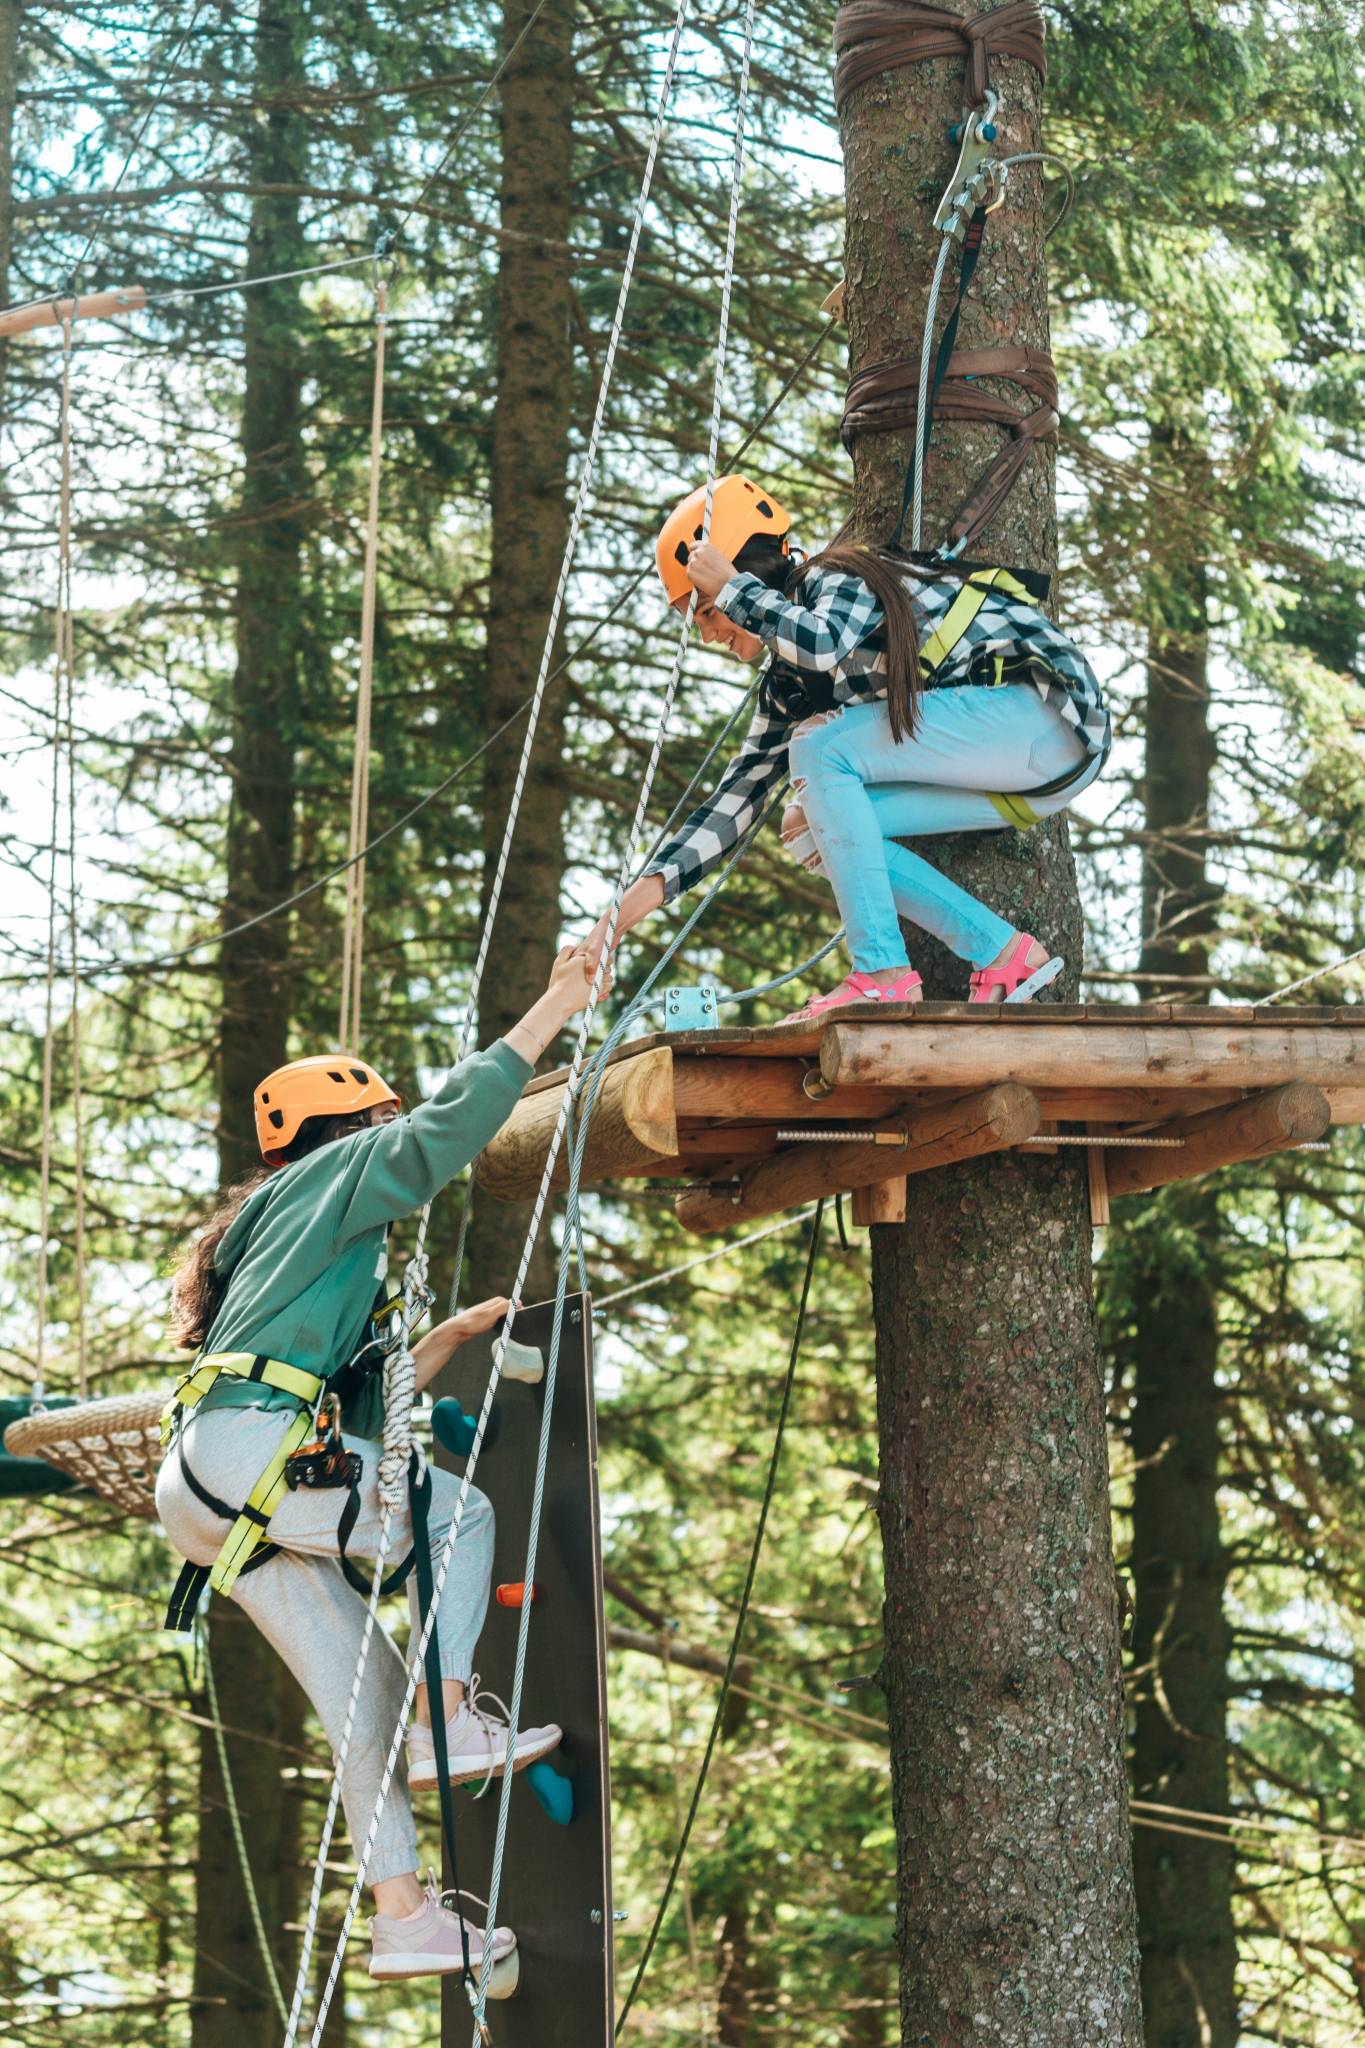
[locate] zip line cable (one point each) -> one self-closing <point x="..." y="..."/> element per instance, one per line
<point x="103" y="214"/>
<point x="740" y="1620"/>
<point x="417" y="1656"/>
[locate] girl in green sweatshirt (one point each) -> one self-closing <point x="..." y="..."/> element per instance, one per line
<point x="277" y="1296"/>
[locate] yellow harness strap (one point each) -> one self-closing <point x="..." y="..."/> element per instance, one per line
<point x="248" y="1531"/>
<point x="1015" y="810"/>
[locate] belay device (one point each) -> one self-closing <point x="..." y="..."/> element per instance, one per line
<point x="325" y="1461"/>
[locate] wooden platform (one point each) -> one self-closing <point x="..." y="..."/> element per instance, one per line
<point x="929" y="1083"/>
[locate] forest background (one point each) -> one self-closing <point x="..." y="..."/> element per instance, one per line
<point x="1207" y="305"/>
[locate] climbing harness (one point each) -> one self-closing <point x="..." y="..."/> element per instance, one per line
<point x="353" y="928"/>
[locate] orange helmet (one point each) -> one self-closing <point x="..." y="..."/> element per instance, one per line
<point x="329" y="1084"/>
<point x="739" y="510"/>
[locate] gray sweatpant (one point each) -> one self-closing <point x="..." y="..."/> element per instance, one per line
<point x="302" y="1604"/>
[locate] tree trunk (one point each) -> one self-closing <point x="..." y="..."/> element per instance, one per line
<point x="1016" y="1919"/>
<point x="1189" y="1953"/>
<point x="11" y="19"/>
<point x="269" y="603"/>
<point x="233" y="2006"/>
<point x="254" y="1690"/>
<point x="530" y="523"/>
<point x="1178" y="901"/>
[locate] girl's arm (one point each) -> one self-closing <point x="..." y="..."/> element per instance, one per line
<point x="712" y="832"/>
<point x="439" y="1346"/>
<point x="815" y="636"/>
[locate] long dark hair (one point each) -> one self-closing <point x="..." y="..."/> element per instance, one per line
<point x="900" y="627"/>
<point x="763" y="557"/>
<point x="197" y="1288"/>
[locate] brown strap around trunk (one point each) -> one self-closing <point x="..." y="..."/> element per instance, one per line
<point x="872" y="36"/>
<point x="884" y="398"/>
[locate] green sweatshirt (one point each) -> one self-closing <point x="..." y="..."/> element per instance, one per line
<point x="309" y="1248"/>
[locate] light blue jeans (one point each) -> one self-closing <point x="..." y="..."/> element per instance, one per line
<point x="857" y="792"/>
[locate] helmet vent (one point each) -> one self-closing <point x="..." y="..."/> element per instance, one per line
<point x="680" y="553"/>
<point x="264" y="1096"/>
<point x="339" y="1078"/>
<point x="277" y="1118"/>
<point x="765" y="508"/>
<point x="359" y="1074"/>
<point x="696" y="533"/>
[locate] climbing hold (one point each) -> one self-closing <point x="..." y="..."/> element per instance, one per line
<point x="554" y="1793"/>
<point x="522" y="1362"/>
<point x="452" y="1428"/>
<point x="515" y="1595"/>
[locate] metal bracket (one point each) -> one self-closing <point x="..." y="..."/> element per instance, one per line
<point x="978" y="169"/>
<point x="691" y="1009"/>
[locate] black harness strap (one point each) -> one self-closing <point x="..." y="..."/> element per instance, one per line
<point x="419" y="1498"/>
<point x="189" y="1587"/>
<point x="353" y="1575"/>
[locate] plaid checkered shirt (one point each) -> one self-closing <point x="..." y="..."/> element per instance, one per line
<point x="836" y="633"/>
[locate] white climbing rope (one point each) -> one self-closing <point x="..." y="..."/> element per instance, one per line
<point x="537" y="1498"/>
<point x="416" y="1659"/>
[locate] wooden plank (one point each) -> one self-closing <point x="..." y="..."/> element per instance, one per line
<point x="1091" y="1056"/>
<point x="1347" y="1105"/>
<point x="881" y="1201"/>
<point x="769" y="1089"/>
<point x="1296" y="1114"/>
<point x="555" y="1879"/>
<point x="986" y="1122"/>
<point x="632" y="1123"/>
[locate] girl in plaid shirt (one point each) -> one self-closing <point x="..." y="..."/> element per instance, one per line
<point x="901" y="703"/>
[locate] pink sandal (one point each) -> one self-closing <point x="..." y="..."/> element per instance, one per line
<point x="1016" y="979"/>
<point x="858" y="988"/>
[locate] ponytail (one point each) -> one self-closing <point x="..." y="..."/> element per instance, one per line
<point x="900" y="625"/>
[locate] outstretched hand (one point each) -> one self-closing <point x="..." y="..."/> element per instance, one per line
<point x="440" y="1344"/>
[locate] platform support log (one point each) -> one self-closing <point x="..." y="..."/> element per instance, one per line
<point x="881" y="1201"/>
<point x="1273" y="1122"/>
<point x="1001" y="1664"/>
<point x="986" y="1122"/>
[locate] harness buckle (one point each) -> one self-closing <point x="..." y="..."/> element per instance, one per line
<point x="325" y="1461"/>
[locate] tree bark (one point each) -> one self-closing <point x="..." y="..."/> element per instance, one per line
<point x="530" y="523"/>
<point x="1178" y="901"/>
<point x="255" y="1691"/>
<point x="1185" y="1930"/>
<point x="233" y="2006"/>
<point x="1180" y="1649"/>
<point x="1016" y="1918"/>
<point x="263" y="705"/>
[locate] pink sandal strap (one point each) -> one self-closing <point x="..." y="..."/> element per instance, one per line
<point x="1008" y="977"/>
<point x="858" y="988"/>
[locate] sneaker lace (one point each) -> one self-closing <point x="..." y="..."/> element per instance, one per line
<point x="494" y="1729"/>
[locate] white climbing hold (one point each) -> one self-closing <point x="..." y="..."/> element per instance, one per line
<point x="522" y="1362"/>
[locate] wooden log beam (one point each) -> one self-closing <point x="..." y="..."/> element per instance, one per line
<point x="989" y="1121"/>
<point x="1086" y="1055"/>
<point x="1297" y="1114"/>
<point x="633" y="1125"/>
<point x="881" y="1201"/>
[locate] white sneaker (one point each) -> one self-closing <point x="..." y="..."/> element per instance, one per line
<point x="432" y="1946"/>
<point x="476" y="1743"/>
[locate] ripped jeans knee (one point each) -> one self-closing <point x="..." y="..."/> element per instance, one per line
<point x="799" y="841"/>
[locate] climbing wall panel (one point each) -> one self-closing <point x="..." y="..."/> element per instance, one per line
<point x="556" y="1886"/>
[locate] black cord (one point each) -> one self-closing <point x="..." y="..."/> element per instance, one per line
<point x="739" y="1620"/>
